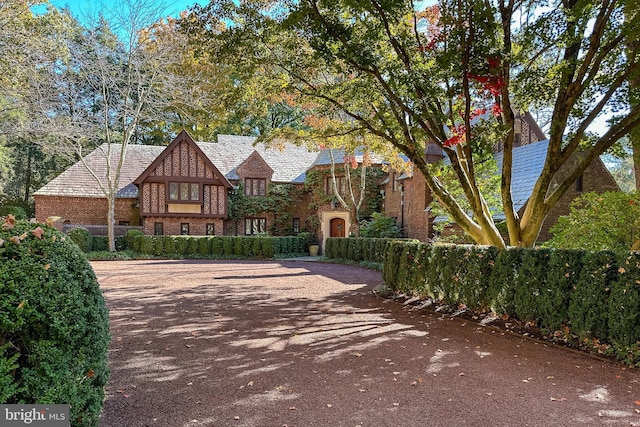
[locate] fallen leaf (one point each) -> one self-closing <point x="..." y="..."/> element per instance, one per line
<point x="21" y="305"/>
<point x="38" y="232"/>
<point x="9" y="222"/>
<point x="637" y="402"/>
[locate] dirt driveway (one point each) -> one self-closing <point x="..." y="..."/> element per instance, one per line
<point x="248" y="343"/>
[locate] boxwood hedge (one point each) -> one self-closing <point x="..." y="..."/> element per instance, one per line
<point x="54" y="329"/>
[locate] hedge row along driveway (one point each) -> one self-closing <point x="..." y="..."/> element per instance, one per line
<point x="267" y="343"/>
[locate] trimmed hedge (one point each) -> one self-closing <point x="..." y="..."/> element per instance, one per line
<point x="81" y="237"/>
<point x="263" y="247"/>
<point x="358" y="249"/>
<point x="54" y="330"/>
<point x="594" y="295"/>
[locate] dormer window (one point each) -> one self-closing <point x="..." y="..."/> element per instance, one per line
<point x="255" y="187"/>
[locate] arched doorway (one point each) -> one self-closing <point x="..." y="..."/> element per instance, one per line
<point x="337" y="227"/>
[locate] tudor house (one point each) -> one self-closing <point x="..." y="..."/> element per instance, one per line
<point x="187" y="188"/>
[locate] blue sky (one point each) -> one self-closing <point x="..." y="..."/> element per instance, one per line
<point x="82" y="7"/>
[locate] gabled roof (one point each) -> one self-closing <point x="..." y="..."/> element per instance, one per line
<point x="78" y="182"/>
<point x="289" y="165"/>
<point x="183" y="136"/>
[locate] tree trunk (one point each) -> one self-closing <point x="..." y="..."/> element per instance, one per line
<point x="111" y="221"/>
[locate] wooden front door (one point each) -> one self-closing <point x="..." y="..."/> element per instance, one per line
<point x="337" y="227"/>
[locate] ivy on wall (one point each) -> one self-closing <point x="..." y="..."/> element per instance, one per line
<point x="315" y="184"/>
<point x="278" y="198"/>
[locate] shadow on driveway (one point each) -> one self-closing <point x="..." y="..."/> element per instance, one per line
<point x="248" y="343"/>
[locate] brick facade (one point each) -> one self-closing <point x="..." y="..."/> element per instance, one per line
<point x="85" y="210"/>
<point x="173" y="225"/>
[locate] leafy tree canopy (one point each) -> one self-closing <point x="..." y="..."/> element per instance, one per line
<point x="395" y="76"/>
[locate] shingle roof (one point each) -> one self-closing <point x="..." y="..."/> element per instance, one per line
<point x="324" y="157"/>
<point x="78" y="182"/>
<point x="289" y="164"/>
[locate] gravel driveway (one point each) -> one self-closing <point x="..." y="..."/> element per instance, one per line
<point x="251" y="343"/>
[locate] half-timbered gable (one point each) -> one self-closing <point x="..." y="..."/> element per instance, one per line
<point x="182" y="182"/>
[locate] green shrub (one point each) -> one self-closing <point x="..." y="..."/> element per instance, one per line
<point x="268" y="249"/>
<point x="204" y="245"/>
<point x="101" y="243"/>
<point x="502" y="280"/>
<point x="286" y="245"/>
<point x="256" y="246"/>
<point x="474" y="280"/>
<point x="599" y="221"/>
<point x="217" y="245"/>
<point x="624" y="304"/>
<point x="158" y="245"/>
<point x="379" y="226"/>
<point x="237" y="246"/>
<point x="17" y="211"/>
<point x="530" y="283"/>
<point x="227" y="246"/>
<point x="169" y="245"/>
<point x="81" y="237"/>
<point x="589" y="300"/>
<point x="434" y="275"/>
<point x="146" y="245"/>
<point x="330" y="248"/>
<point x="181" y="244"/>
<point x="412" y="268"/>
<point x="54" y="325"/>
<point x="391" y="263"/>
<point x="193" y="245"/>
<point x="562" y="272"/>
<point x="129" y="238"/>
